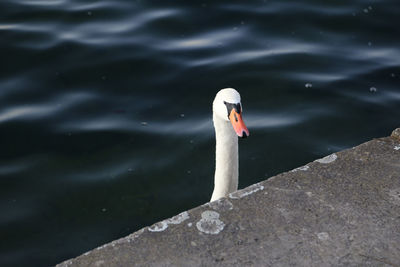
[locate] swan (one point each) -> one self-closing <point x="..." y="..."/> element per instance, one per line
<point x="228" y="125"/>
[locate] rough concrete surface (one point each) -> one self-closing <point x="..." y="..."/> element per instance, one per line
<point x="342" y="210"/>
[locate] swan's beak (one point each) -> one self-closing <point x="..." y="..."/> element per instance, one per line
<point x="238" y="124"/>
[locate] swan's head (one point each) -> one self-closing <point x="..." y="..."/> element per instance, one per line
<point x="227" y="107"/>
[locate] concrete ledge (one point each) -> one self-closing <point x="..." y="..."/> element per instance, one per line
<point x="341" y="210"/>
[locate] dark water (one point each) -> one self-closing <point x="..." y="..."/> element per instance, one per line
<point x="105" y="106"/>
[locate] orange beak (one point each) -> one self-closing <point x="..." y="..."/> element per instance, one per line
<point x="238" y="124"/>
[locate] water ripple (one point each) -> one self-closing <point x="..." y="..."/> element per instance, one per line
<point x="41" y="2"/>
<point x="45" y="109"/>
<point x="92" y="30"/>
<point x="28" y="112"/>
<point x="208" y="40"/>
<point x="270" y="121"/>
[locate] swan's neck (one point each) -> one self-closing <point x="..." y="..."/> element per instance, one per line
<point x="226" y="169"/>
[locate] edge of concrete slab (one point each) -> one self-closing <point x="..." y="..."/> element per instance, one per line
<point x="341" y="210"/>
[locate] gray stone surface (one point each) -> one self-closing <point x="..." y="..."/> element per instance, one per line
<point x="342" y="210"/>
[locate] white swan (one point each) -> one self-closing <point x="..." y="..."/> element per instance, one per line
<point x="228" y="124"/>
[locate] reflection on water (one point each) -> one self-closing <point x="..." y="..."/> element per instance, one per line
<point x="105" y="107"/>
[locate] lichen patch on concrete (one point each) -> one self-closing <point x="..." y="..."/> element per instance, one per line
<point x="210" y="223"/>
<point x="161" y="226"/>
<point x="328" y="159"/>
<point x="181" y="217"/>
<point x="158" y="227"/>
<point x="133" y="236"/>
<point x="221" y="204"/>
<point x="303" y="168"/>
<point x="247" y="191"/>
